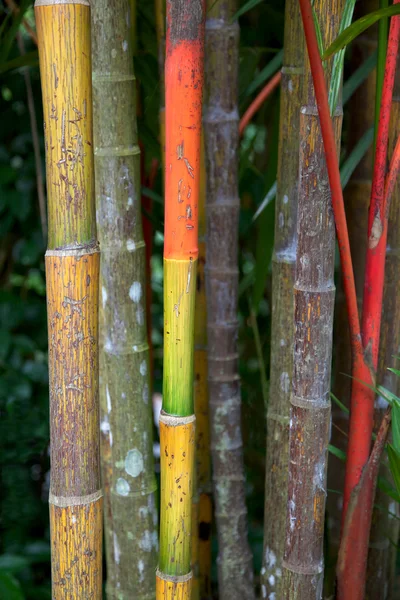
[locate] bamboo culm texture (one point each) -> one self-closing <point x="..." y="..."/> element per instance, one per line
<point x="357" y="194"/>
<point x="131" y="518"/>
<point x="235" y="569"/>
<point x="183" y="86"/>
<point x="72" y="275"/>
<point x="283" y="267"/>
<point x="384" y="527"/>
<point x="314" y="293"/>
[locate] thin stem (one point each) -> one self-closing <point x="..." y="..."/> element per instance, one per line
<point x="265" y="93"/>
<point x="383" y="28"/>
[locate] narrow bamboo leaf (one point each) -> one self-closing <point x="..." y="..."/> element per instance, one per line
<point x="152" y="195"/>
<point x="388" y="395"/>
<point x="9" y="37"/>
<point x="337" y="452"/>
<point x="395" y="371"/>
<point x="270" y="69"/>
<point x="30" y="59"/>
<point x="268" y="198"/>
<point x="359" y="76"/>
<point x="318" y="32"/>
<point x="354" y="158"/>
<point x="387" y="488"/>
<point x="396" y="426"/>
<point x="245" y="8"/>
<point x="10" y="587"/>
<point x="394" y="462"/>
<point x="338" y="61"/>
<point x="340" y="404"/>
<point x="350" y="33"/>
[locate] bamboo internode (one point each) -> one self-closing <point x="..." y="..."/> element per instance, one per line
<point x="72" y="273"/>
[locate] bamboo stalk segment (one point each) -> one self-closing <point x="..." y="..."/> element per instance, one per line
<point x="183" y="81"/>
<point x="126" y="409"/>
<point x="72" y="275"/>
<point x="283" y="273"/>
<point x="314" y="293"/>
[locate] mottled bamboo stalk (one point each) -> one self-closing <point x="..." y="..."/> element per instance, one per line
<point x="357" y="194"/>
<point x="72" y="275"/>
<point x="126" y="419"/>
<point x="235" y="570"/>
<point x="160" y="29"/>
<point x="183" y="86"/>
<point x="384" y="527"/>
<point x="283" y="271"/>
<point x="314" y="293"/>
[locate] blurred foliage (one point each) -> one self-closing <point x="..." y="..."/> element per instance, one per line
<point x="24" y="428"/>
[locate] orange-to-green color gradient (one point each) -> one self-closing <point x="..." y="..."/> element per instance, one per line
<point x="183" y="89"/>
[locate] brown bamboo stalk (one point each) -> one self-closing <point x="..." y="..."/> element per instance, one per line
<point x="314" y="293"/>
<point x="283" y="267"/>
<point x="72" y="277"/>
<point x="126" y="419"/>
<point x="235" y="572"/>
<point x="357" y="195"/>
<point x="385" y="528"/>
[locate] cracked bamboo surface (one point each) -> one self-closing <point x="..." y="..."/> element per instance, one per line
<point x="131" y="520"/>
<point x="314" y="292"/>
<point x="283" y="271"/>
<point x="235" y="568"/>
<point x="183" y="85"/>
<point x="72" y="275"/>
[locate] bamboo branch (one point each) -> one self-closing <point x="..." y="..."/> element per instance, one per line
<point x="15" y="9"/>
<point x="259" y="101"/>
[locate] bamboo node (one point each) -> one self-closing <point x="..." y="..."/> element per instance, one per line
<point x="174" y="578"/>
<point x="175" y="421"/>
<point x="53" y="2"/>
<point x="76" y="250"/>
<point x="66" y="501"/>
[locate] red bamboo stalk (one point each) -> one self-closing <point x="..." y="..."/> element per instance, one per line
<point x="259" y="101"/>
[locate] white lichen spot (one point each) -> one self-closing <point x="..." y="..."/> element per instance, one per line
<point x="264" y="591"/>
<point x="141" y="569"/>
<point x="282" y="342"/>
<point x="73" y="520"/>
<point x="124" y="45"/>
<point x="263" y="571"/>
<point x="122" y="487"/>
<point x="117" y="551"/>
<point x="140" y="316"/>
<point x="284" y="382"/>
<point x="376" y="231"/>
<point x="145" y="394"/>
<point x="105" y="426"/>
<point x="145" y="542"/>
<point x="135" y="291"/>
<point x="113" y="53"/>
<point x="143" y="512"/>
<point x="290" y="86"/>
<point x="285" y="199"/>
<point x="123" y="395"/>
<point x="135" y="348"/>
<point x="154" y="540"/>
<point x="108" y="400"/>
<point x="130" y="245"/>
<point x="130" y="535"/>
<point x="278" y="573"/>
<point x="110" y="438"/>
<point x="104" y="295"/>
<point x="292" y="519"/>
<point x="270" y="558"/>
<point x="281" y="220"/>
<point x="272" y="596"/>
<point x="143" y="368"/>
<point x="271" y="580"/>
<point x="130" y="201"/>
<point x="134" y="462"/>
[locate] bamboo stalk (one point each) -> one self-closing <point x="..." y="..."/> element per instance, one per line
<point x="356" y="193"/>
<point x="72" y="274"/>
<point x="160" y="29"/>
<point x="384" y="528"/>
<point x="183" y="79"/>
<point x="314" y="293"/>
<point x="235" y="572"/>
<point x="282" y="335"/>
<point x="126" y="419"/>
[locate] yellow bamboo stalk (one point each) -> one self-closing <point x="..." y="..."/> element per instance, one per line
<point x="72" y="274"/>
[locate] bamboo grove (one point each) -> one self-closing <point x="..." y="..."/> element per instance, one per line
<point x="157" y="169"/>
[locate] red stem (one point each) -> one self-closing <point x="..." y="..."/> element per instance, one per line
<point x="258" y="101"/>
<point x="392" y="175"/>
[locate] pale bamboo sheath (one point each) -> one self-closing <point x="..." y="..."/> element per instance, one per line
<point x="72" y="276"/>
<point x="131" y="520"/>
<point x="235" y="569"/>
<point x="385" y="527"/>
<point x="283" y="267"/>
<point x="314" y="293"/>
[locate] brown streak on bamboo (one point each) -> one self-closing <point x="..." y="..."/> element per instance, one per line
<point x="235" y="571"/>
<point x="314" y="292"/>
<point x="283" y="266"/>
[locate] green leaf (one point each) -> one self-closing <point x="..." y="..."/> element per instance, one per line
<point x="340" y="404"/>
<point x="270" y="69"/>
<point x="9" y="37"/>
<point x="13" y="563"/>
<point x="245" y="8"/>
<point x="396" y="426"/>
<point x="318" y="31"/>
<point x="388" y="395"/>
<point x="30" y="59"/>
<point x="356" y="155"/>
<point x="387" y="488"/>
<point x="394" y="463"/>
<point x="10" y="588"/>
<point x="359" y="76"/>
<point x="271" y="194"/>
<point x="337" y="452"/>
<point x="358" y="27"/>
<point x="338" y="61"/>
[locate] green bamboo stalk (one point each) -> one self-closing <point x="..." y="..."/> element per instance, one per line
<point x="384" y="528"/>
<point x="314" y="293"/>
<point x="357" y="195"/>
<point x="282" y="335"/>
<point x="126" y="414"/>
<point x="235" y="572"/>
